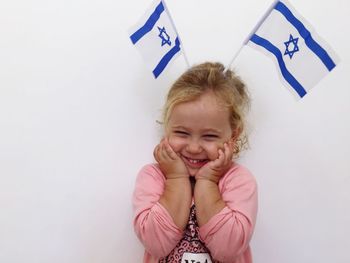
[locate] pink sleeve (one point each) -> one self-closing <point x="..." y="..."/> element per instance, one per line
<point x="227" y="234"/>
<point x="152" y="223"/>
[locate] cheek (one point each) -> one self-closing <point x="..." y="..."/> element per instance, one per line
<point x="212" y="149"/>
<point x="176" y="143"/>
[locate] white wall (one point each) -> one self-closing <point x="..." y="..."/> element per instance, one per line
<point x="77" y="121"/>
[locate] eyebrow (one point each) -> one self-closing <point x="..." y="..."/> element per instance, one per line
<point x="211" y="130"/>
<point x="204" y="130"/>
<point x="179" y="127"/>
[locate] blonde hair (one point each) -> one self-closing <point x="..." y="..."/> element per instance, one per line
<point x="227" y="87"/>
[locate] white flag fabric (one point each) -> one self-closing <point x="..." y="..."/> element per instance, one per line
<point x="156" y="38"/>
<point x="301" y="56"/>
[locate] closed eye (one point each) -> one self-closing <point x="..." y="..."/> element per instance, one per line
<point x="178" y="132"/>
<point x="211" y="136"/>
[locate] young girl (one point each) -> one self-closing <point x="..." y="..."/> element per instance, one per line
<point x="195" y="205"/>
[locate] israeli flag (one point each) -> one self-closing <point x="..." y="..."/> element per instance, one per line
<point x="301" y="56"/>
<point x="156" y="38"/>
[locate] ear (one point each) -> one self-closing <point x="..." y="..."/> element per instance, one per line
<point x="235" y="134"/>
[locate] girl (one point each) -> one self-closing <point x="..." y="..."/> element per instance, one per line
<point x="195" y="205"/>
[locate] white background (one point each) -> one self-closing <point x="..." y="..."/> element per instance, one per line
<point x="78" y="111"/>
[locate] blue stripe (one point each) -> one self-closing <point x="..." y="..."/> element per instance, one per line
<point x="147" y="27"/>
<point x="166" y="59"/>
<point x="277" y="53"/>
<point x="310" y="42"/>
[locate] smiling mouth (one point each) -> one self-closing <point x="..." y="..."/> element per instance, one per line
<point x="195" y="163"/>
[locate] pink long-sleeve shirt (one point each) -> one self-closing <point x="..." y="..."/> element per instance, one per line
<point x="226" y="235"/>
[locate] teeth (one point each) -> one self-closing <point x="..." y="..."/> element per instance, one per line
<point x="193" y="161"/>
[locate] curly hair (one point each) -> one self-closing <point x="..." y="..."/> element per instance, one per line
<point x="228" y="88"/>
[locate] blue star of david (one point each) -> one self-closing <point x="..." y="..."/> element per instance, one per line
<point x="293" y="41"/>
<point x="164" y="36"/>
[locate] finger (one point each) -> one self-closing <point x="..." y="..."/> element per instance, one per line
<point x="156" y="153"/>
<point x="171" y="153"/>
<point x="220" y="160"/>
<point x="163" y="153"/>
<point x="228" y="153"/>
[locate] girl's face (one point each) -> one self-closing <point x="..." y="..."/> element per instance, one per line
<point x="198" y="129"/>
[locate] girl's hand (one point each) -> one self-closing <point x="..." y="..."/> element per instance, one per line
<point x="215" y="169"/>
<point x="170" y="163"/>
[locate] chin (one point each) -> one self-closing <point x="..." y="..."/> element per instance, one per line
<point x="192" y="172"/>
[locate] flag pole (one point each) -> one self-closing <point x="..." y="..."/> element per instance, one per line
<point x="172" y="21"/>
<point x="261" y="20"/>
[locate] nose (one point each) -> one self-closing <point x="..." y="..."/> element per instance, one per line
<point x="193" y="147"/>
